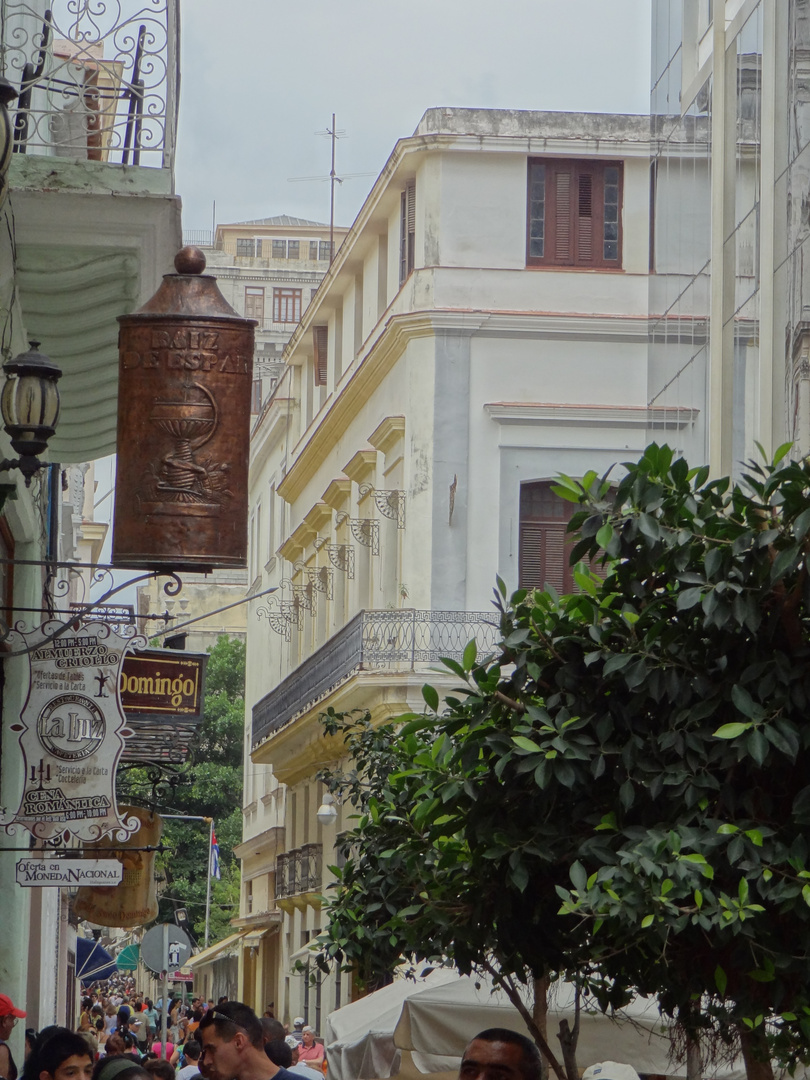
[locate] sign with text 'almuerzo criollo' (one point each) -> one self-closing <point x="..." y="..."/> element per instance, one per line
<point x="71" y="731"/>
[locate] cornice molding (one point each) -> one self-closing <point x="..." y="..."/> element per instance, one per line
<point x="575" y="415"/>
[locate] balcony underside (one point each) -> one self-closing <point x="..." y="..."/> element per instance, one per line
<point x="92" y="243"/>
<point x="378" y="661"/>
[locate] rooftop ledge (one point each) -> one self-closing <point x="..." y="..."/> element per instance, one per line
<point x="30" y="172"/>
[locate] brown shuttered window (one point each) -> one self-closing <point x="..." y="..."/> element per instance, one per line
<point x="407" y="235"/>
<point x="574" y="213"/>
<point x="320" y="335"/>
<point x="544" y="543"/>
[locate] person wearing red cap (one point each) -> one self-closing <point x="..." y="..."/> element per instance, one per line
<point x="9" y="1014"/>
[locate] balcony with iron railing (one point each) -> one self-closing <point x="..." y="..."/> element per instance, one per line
<point x="298" y="872"/>
<point x="97" y="79"/>
<point x="397" y="640"/>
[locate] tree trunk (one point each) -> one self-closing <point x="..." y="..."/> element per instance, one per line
<point x="755" y="1054"/>
<point x="693" y="1066"/>
<point x="568" y="1043"/>
<point x="511" y="991"/>
<point x="569" y="1037"/>
<point x="540" y="1017"/>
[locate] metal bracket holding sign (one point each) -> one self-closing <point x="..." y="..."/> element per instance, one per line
<point x="162" y="694"/>
<point x="71" y="731"/>
<point x="68" y="873"/>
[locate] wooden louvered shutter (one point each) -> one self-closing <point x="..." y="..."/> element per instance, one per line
<point x="320" y="336"/>
<point x="407" y="237"/>
<point x="584" y="218"/>
<point x="562" y="216"/>
<point x="544" y="546"/>
<point x="544" y="551"/>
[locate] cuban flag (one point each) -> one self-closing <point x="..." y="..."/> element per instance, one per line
<point x="214" y="857"/>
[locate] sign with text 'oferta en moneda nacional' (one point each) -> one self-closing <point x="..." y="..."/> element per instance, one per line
<point x="68" y="872"/>
<point x="71" y="731"/>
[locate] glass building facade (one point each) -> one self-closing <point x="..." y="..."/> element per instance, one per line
<point x="730" y="209"/>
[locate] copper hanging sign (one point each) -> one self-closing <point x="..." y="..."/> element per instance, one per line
<point x="184" y="389"/>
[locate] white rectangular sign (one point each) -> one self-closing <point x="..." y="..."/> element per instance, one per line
<point x="71" y="732"/>
<point x="69" y="872"/>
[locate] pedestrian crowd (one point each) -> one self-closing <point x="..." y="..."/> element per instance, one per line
<point x="118" y="1037"/>
<point x="226" y="1041"/>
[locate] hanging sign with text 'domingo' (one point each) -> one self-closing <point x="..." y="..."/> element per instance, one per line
<point x="185" y="378"/>
<point x="71" y="732"/>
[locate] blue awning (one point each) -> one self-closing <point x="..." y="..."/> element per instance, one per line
<point x="93" y="963"/>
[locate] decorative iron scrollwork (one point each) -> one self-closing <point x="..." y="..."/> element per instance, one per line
<point x="278" y="619"/>
<point x="341" y="557"/>
<point x="389" y="501"/>
<point x="322" y="578"/>
<point x="319" y="578"/>
<point x="304" y="596"/>
<point x="366" y="531"/>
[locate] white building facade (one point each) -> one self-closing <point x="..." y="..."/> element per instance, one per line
<point x="482" y="328"/>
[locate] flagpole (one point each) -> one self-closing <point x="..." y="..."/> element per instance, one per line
<point x="208" y="886"/>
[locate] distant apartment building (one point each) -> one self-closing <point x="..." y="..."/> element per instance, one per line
<point x="269" y="270"/>
<point x="483" y="327"/>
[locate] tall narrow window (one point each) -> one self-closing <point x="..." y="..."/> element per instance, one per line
<point x="544" y="544"/>
<point x="407" y="234"/>
<point x="256" y="396"/>
<point x="254" y="303"/>
<point x="286" y="305"/>
<point x="279" y="249"/>
<point x="320" y="336"/>
<point x="324" y="250"/>
<point x="574" y="214"/>
<point x="292" y="249"/>
<point x="313" y="250"/>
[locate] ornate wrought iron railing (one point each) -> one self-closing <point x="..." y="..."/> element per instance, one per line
<point x="97" y="79"/>
<point x="389" y="640"/>
<point x="299" y="871"/>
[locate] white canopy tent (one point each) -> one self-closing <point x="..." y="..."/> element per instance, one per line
<point x="411" y="1028"/>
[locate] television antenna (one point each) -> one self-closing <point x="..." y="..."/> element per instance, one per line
<point x="333" y="134"/>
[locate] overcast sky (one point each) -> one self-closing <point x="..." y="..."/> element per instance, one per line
<point x="261" y="77"/>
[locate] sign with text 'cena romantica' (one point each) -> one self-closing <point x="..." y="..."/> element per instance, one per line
<point x="71" y="731"/>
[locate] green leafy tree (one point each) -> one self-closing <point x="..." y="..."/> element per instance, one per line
<point x="622" y="791"/>
<point x="209" y="784"/>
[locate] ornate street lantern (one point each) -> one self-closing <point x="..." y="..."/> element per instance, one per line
<point x="184" y="388"/>
<point x="30" y="408"/>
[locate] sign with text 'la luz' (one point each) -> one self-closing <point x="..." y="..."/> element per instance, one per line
<point x="71" y="731"/>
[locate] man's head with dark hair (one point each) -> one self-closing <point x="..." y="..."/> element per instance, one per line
<point x="278" y="1052"/>
<point x="273" y="1029"/>
<point x="160" y="1070"/>
<point x="500" y="1054"/>
<point x="227" y="1019"/>
<point x="232" y="1041"/>
<point x="192" y="1050"/>
<point x="58" y="1047"/>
